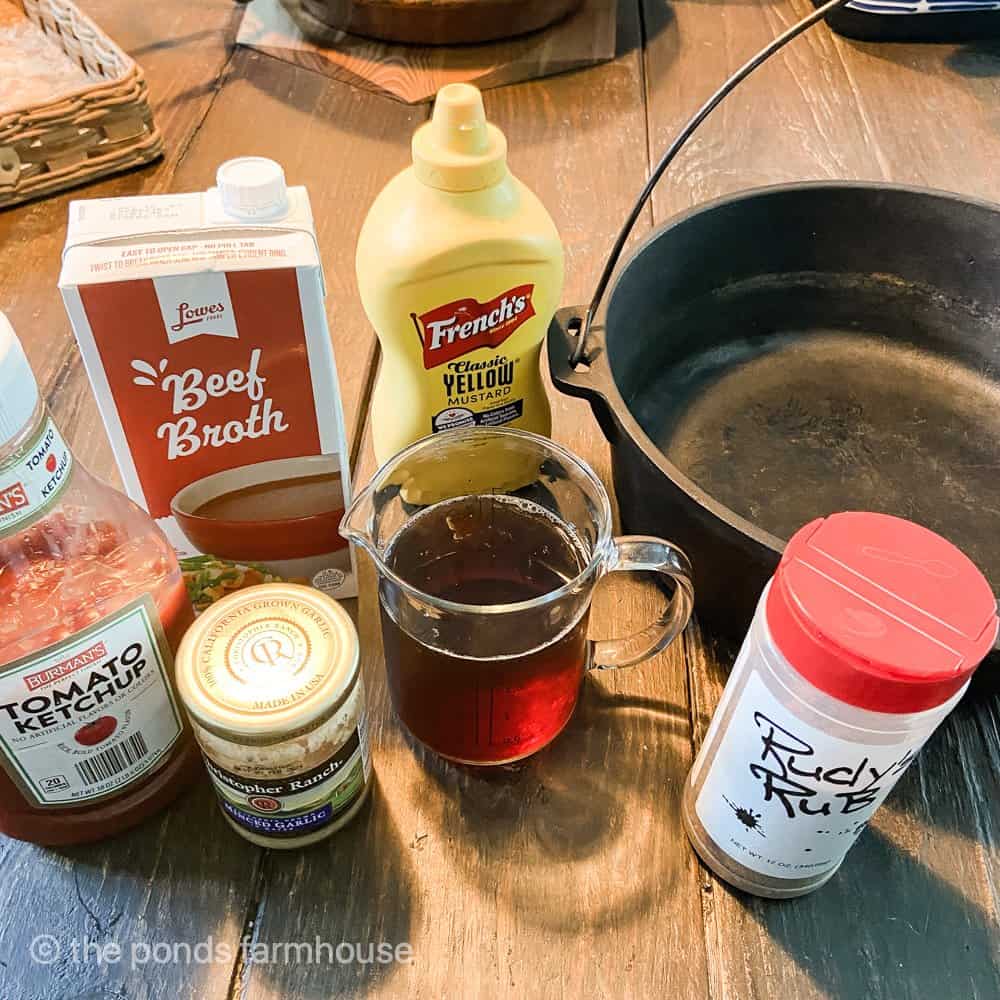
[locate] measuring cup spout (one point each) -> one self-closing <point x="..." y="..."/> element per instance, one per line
<point x="358" y="524"/>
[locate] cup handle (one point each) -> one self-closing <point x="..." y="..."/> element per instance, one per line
<point x="640" y="552"/>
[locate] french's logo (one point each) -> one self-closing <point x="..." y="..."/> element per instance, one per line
<point x="454" y="329"/>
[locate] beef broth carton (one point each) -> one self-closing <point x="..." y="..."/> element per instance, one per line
<point x="201" y="322"/>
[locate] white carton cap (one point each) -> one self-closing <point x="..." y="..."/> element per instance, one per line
<point x="18" y="388"/>
<point x="252" y="187"/>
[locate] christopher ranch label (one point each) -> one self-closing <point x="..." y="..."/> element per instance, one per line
<point x="210" y="358"/>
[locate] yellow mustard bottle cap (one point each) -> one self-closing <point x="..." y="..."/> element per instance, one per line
<point x="458" y="149"/>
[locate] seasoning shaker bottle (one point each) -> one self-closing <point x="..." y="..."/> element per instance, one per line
<point x="270" y="678"/>
<point x="862" y="643"/>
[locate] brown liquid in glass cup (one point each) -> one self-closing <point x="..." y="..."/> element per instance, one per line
<point x="492" y="550"/>
<point x="489" y="544"/>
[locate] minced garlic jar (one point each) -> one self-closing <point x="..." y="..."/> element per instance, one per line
<point x="270" y="679"/>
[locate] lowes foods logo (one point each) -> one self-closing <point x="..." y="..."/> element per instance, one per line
<point x="188" y="315"/>
<point x="454" y="329"/>
<point x="195" y="305"/>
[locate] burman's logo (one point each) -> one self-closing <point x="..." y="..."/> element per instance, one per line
<point x="85" y="658"/>
<point x="188" y="315"/>
<point x="451" y="330"/>
<point x="12" y="498"/>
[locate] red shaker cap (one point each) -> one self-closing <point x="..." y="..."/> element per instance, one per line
<point x="879" y="612"/>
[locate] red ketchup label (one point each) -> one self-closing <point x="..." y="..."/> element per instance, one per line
<point x="34" y="482"/>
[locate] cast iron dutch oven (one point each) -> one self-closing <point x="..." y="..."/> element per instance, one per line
<point x="793" y="351"/>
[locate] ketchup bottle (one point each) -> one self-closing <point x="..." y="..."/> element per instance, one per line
<point x="92" y="607"/>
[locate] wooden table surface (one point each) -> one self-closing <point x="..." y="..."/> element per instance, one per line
<point x="569" y="876"/>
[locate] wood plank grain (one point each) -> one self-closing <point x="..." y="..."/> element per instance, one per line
<point x="568" y="875"/>
<point x="824" y="108"/>
<point x="182" y="877"/>
<point x="796" y="118"/>
<point x="925" y="875"/>
<point x="161" y="883"/>
<point x="177" y="880"/>
<point x="931" y="112"/>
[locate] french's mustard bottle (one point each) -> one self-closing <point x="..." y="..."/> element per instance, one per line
<point x="460" y="270"/>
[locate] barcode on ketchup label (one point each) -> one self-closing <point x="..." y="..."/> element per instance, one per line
<point x="211" y="361"/>
<point x="86" y="717"/>
<point x="114" y="760"/>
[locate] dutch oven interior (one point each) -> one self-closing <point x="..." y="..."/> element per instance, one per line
<point x="823" y="348"/>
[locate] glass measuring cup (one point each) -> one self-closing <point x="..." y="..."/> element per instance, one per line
<point x="488" y="544"/>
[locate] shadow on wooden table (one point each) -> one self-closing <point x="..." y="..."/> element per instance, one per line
<point x="179" y="879"/>
<point x="911" y="914"/>
<point x="314" y="895"/>
<point x="558" y="838"/>
<point x="976" y="59"/>
<point x="954" y="787"/>
<point x="886" y="926"/>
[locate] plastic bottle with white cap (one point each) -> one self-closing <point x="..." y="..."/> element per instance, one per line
<point x="252" y="188"/>
<point x="460" y="270"/>
<point x="92" y="605"/>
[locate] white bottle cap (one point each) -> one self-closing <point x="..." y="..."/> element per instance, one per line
<point x="18" y="388"/>
<point x="252" y="187"/>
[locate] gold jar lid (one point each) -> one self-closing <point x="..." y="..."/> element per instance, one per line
<point x="267" y="662"/>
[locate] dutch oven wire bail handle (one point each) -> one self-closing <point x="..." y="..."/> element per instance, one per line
<point x="578" y="329"/>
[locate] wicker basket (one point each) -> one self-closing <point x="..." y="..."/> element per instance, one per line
<point x="84" y="133"/>
<point x="439" y="22"/>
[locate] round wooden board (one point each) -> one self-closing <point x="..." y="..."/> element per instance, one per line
<point x="439" y="22"/>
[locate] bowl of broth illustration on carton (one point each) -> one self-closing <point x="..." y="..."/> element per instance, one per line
<point x="282" y="515"/>
<point x="201" y="322"/>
